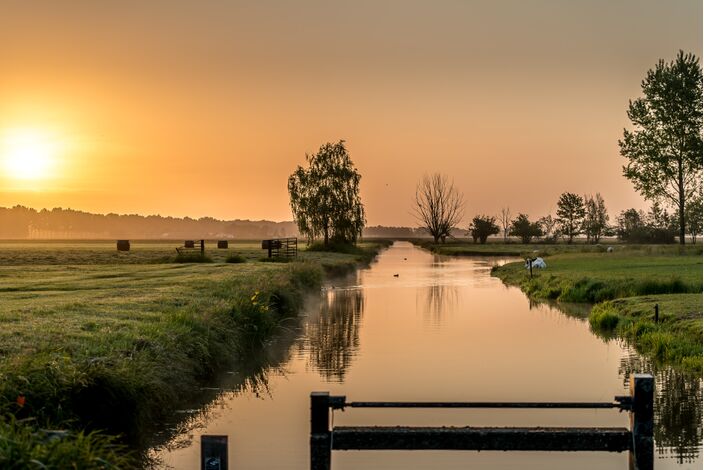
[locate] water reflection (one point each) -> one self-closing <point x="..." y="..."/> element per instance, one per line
<point x="251" y="377"/>
<point x="580" y="311"/>
<point x="678" y="407"/>
<point x="491" y="341"/>
<point x="438" y="301"/>
<point x="331" y="338"/>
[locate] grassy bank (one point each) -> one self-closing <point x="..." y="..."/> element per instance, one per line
<point x="595" y="277"/>
<point x="115" y="346"/>
<point x="675" y="339"/>
<point x="627" y="284"/>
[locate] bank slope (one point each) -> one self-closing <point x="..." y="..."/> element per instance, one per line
<point x="626" y="286"/>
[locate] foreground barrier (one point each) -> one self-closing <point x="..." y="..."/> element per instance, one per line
<point x="638" y="440"/>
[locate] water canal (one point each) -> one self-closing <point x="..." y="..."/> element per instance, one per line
<point x="443" y="329"/>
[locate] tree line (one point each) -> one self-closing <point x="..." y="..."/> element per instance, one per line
<point x="20" y="222"/>
<point x="587" y="215"/>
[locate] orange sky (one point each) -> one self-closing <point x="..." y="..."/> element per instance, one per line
<point x="205" y="108"/>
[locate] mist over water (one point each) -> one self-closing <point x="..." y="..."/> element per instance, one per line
<point x="442" y="330"/>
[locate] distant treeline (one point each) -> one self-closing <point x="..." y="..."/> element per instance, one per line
<point x="21" y="222"/>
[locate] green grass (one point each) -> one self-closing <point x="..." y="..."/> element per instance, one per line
<point x="24" y="446"/>
<point x="595" y="277"/>
<point x="115" y="346"/>
<point x="499" y="248"/>
<point x="675" y="339"/>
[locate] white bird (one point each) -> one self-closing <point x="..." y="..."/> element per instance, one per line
<point x="536" y="263"/>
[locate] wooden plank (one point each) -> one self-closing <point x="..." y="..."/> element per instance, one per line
<point x="476" y="438"/>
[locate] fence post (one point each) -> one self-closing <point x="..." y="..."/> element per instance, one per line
<point x="657" y="313"/>
<point x="320" y="434"/>
<point x="202" y="247"/>
<point x="213" y="452"/>
<point x="642" y="391"/>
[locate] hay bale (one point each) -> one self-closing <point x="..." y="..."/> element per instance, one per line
<point x="222" y="244"/>
<point x="189" y="244"/>
<point x="123" y="245"/>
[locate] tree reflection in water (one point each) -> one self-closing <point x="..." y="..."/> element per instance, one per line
<point x="439" y="300"/>
<point x="678" y="407"/>
<point x="331" y="338"/>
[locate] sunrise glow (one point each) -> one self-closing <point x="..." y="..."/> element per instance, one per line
<point x="28" y="154"/>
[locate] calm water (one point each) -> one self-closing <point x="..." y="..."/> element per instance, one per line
<point x="443" y="330"/>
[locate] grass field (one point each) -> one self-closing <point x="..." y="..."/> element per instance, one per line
<point x="498" y="248"/>
<point x="95" y="339"/>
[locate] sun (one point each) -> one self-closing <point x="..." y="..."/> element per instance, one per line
<point x="28" y="154"/>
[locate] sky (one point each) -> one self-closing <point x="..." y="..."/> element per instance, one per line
<point x="188" y="108"/>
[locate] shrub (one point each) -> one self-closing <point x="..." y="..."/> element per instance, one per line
<point x="192" y="258"/>
<point x="235" y="258"/>
<point x="603" y="319"/>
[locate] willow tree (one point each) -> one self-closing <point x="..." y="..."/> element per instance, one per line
<point x="325" y="196"/>
<point x="664" y="149"/>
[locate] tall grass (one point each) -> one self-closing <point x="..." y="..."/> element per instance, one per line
<point x="675" y="339"/>
<point x="24" y="445"/>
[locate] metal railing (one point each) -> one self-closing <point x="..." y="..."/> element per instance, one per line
<point x="638" y="440"/>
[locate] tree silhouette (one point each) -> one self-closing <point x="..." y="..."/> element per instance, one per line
<point x="664" y="150"/>
<point x="438" y="205"/>
<point x="325" y="197"/>
<point x="570" y="214"/>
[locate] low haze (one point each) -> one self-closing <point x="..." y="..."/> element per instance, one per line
<point x="183" y="108"/>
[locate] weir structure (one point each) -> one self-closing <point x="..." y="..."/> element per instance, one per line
<point x="638" y="440"/>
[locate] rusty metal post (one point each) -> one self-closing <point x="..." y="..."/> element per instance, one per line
<point x="320" y="434"/>
<point x="642" y="390"/>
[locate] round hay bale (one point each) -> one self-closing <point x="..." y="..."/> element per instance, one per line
<point x="123" y="245"/>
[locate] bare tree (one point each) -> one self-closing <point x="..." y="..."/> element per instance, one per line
<point x="505" y="219"/>
<point x="438" y="206"/>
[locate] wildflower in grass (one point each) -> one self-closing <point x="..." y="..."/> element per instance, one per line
<point x="21" y="400"/>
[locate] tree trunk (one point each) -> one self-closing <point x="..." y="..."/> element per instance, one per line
<point x="680" y="186"/>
